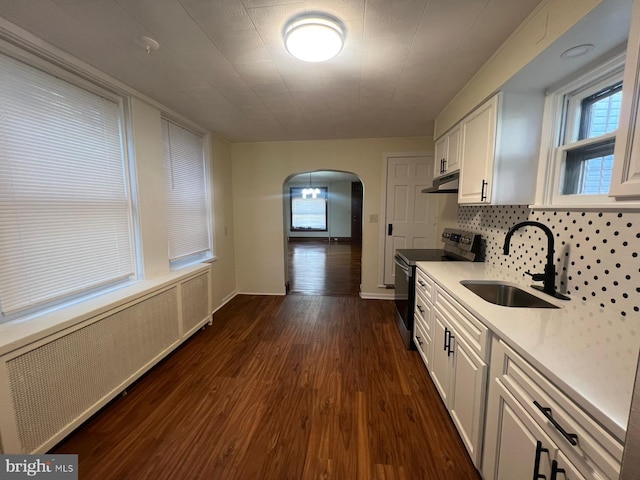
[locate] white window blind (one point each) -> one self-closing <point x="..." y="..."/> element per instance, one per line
<point x="65" y="216"/>
<point x="309" y="211"/>
<point x="188" y="212"/>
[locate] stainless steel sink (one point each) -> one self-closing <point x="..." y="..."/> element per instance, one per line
<point x="505" y="294"/>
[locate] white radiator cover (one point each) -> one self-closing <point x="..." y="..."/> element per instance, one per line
<point x="55" y="384"/>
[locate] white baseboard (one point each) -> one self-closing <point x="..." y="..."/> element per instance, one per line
<point x="225" y="300"/>
<point x="377" y="296"/>
<point x="273" y="294"/>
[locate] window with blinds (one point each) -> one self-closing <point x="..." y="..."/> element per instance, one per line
<point x="309" y="209"/>
<point x="65" y="211"/>
<point x="187" y="195"/>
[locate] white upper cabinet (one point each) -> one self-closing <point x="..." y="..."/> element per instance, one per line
<point x="625" y="180"/>
<point x="447" y="158"/>
<point x="500" y="144"/>
<point x="478" y="150"/>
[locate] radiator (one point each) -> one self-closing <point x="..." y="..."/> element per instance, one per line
<point x="58" y="382"/>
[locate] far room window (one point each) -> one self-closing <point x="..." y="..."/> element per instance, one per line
<point x="309" y="209"/>
<point x="587" y="112"/>
<point x="187" y="187"/>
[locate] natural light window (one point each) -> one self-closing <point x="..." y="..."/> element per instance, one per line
<point x="187" y="195"/>
<point x="309" y="210"/>
<point x="587" y="113"/>
<point x="66" y="219"/>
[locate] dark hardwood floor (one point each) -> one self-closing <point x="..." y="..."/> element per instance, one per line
<point x="287" y="387"/>
<point x="324" y="268"/>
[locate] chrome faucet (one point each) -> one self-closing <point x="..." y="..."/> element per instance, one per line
<point x="548" y="278"/>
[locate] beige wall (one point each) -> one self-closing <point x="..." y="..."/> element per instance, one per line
<point x="259" y="172"/>
<point x="544" y="26"/>
<point x="223" y="273"/>
<point x="149" y="165"/>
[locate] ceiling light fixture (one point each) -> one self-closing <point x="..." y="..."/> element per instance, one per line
<point x="314" y="192"/>
<point x="577" y="51"/>
<point x="314" y="38"/>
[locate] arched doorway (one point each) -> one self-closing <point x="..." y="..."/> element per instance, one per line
<point x="323" y="233"/>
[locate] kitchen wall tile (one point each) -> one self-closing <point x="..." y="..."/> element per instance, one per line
<point x="596" y="253"/>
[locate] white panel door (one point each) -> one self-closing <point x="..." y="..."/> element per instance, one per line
<point x="410" y="214"/>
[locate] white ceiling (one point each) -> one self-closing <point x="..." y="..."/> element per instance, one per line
<point x="221" y="63"/>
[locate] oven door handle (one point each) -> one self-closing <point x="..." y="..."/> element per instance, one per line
<point x="402" y="265"/>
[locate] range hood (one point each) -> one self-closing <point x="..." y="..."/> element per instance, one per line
<point x="445" y="184"/>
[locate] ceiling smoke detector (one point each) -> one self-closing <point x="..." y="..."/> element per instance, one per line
<point x="577" y="51"/>
<point x="314" y="38"/>
<point x="147" y="43"/>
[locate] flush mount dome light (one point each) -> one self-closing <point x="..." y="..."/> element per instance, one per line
<point x="313" y="38"/>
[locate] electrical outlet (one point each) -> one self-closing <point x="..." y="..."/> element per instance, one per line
<point x="373" y="218"/>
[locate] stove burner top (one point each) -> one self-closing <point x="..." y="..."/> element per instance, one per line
<point x="413" y="255"/>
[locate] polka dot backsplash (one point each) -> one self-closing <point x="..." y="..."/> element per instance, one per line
<point x="597" y="254"/>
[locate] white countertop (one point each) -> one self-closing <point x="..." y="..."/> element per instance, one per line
<point x="588" y="353"/>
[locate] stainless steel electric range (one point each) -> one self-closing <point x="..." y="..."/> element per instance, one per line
<point x="459" y="246"/>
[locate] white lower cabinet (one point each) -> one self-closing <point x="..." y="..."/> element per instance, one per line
<point x="523" y="449"/>
<point x="459" y="373"/>
<point x="534" y="431"/>
<point x="467" y="397"/>
<point x="456" y="345"/>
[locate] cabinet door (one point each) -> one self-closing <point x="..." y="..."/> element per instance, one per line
<point x="466" y="399"/>
<point x="453" y="150"/>
<point x="440" y="361"/>
<point x="440" y="156"/>
<point x="567" y="470"/>
<point x="512" y="442"/>
<point x="625" y="180"/>
<point x="477" y="154"/>
<point x="511" y="445"/>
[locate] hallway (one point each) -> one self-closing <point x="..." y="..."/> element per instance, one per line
<point x="319" y="267"/>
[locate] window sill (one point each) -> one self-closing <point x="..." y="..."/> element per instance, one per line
<point x="615" y="206"/>
<point x="20" y="332"/>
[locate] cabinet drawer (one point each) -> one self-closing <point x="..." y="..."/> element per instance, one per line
<point x="424" y="285"/>
<point x="423" y="312"/>
<point x="597" y="453"/>
<point x="472" y="330"/>
<point x="423" y="343"/>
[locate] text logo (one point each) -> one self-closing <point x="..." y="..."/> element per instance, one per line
<point x="51" y="467"/>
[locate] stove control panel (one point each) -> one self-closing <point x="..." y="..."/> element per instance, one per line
<point x="461" y="242"/>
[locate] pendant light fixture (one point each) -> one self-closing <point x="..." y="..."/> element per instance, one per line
<point x="314" y="192"/>
<point x="314" y="37"/>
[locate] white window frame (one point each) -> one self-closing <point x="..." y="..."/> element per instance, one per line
<point x="122" y="101"/>
<point x="208" y="254"/>
<point x="559" y="123"/>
